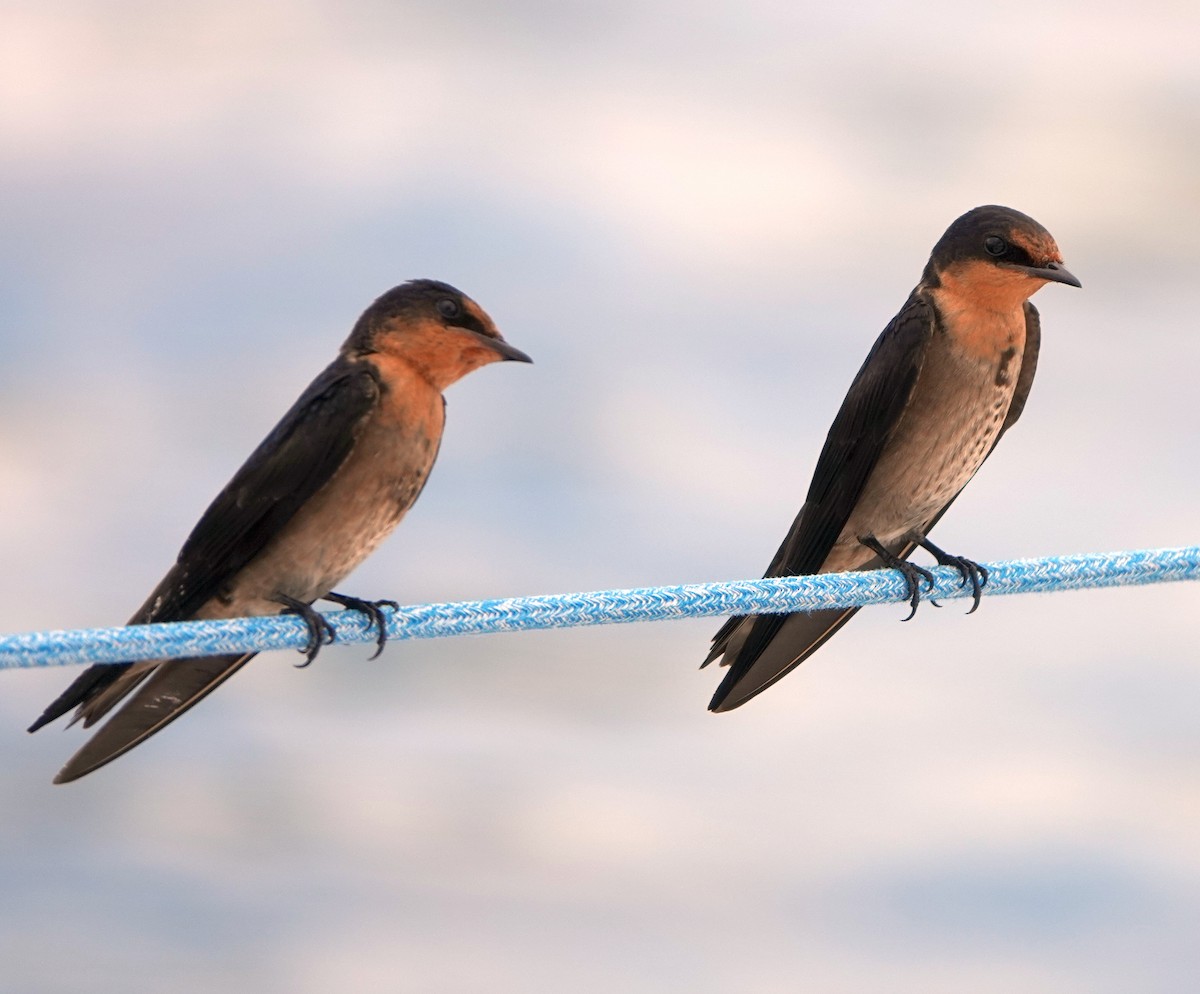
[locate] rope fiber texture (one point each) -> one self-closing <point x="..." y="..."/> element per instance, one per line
<point x="515" y="614"/>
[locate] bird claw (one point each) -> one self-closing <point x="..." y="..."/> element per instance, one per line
<point x="372" y="609"/>
<point x="912" y="573"/>
<point x="320" y="631"/>
<point x="969" y="571"/>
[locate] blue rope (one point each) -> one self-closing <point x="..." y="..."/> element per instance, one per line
<point x="514" y="614"/>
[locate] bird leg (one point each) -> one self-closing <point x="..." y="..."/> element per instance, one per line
<point x="373" y="611"/>
<point x="320" y="631"/>
<point x="970" y="571"/>
<point x="913" y="574"/>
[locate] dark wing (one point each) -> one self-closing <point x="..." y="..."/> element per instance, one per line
<point x="868" y="417"/>
<point x="295" y="460"/>
<point x="1029" y="361"/>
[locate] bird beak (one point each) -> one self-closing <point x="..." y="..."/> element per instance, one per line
<point x="1056" y="272"/>
<point x="509" y="353"/>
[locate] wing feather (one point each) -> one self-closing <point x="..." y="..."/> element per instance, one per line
<point x="868" y="416"/>
<point x="298" y="457"/>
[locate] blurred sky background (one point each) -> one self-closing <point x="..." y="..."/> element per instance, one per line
<point x="696" y="217"/>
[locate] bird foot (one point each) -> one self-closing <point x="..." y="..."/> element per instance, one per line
<point x="913" y="574"/>
<point x="970" y="571"/>
<point x="372" y="609"/>
<point x="320" y="631"/>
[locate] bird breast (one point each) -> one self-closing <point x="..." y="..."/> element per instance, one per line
<point x="954" y="416"/>
<point x="345" y="521"/>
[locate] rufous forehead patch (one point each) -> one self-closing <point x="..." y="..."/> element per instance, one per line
<point x="480" y="315"/>
<point x="1038" y="244"/>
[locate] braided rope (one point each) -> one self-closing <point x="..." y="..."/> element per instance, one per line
<point x="513" y="614"/>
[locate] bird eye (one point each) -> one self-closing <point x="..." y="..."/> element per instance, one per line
<point x="995" y="245"/>
<point x="448" y="308"/>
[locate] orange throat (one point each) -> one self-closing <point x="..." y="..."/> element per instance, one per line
<point x="983" y="308"/>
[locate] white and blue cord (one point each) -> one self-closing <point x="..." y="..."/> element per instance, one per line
<point x="519" y="614"/>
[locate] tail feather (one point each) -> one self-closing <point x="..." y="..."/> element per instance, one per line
<point x="175" y="686"/>
<point x="760" y="649"/>
<point x="87" y="687"/>
<point x="797" y="636"/>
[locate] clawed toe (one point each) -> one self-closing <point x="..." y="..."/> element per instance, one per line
<point x="372" y="609"/>
<point x="913" y="574"/>
<point x="969" y="571"/>
<point x="320" y="631"/>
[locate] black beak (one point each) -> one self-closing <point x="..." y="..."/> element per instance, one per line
<point x="1053" y="271"/>
<point x="509" y="353"/>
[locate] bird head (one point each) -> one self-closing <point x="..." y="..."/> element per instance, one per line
<point x="997" y="254"/>
<point x="434" y="327"/>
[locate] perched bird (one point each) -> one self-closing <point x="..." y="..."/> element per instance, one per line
<point x="943" y="382"/>
<point x="324" y="488"/>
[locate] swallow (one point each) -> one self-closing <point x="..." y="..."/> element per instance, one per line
<point x="320" y="493"/>
<point x="942" y="384"/>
